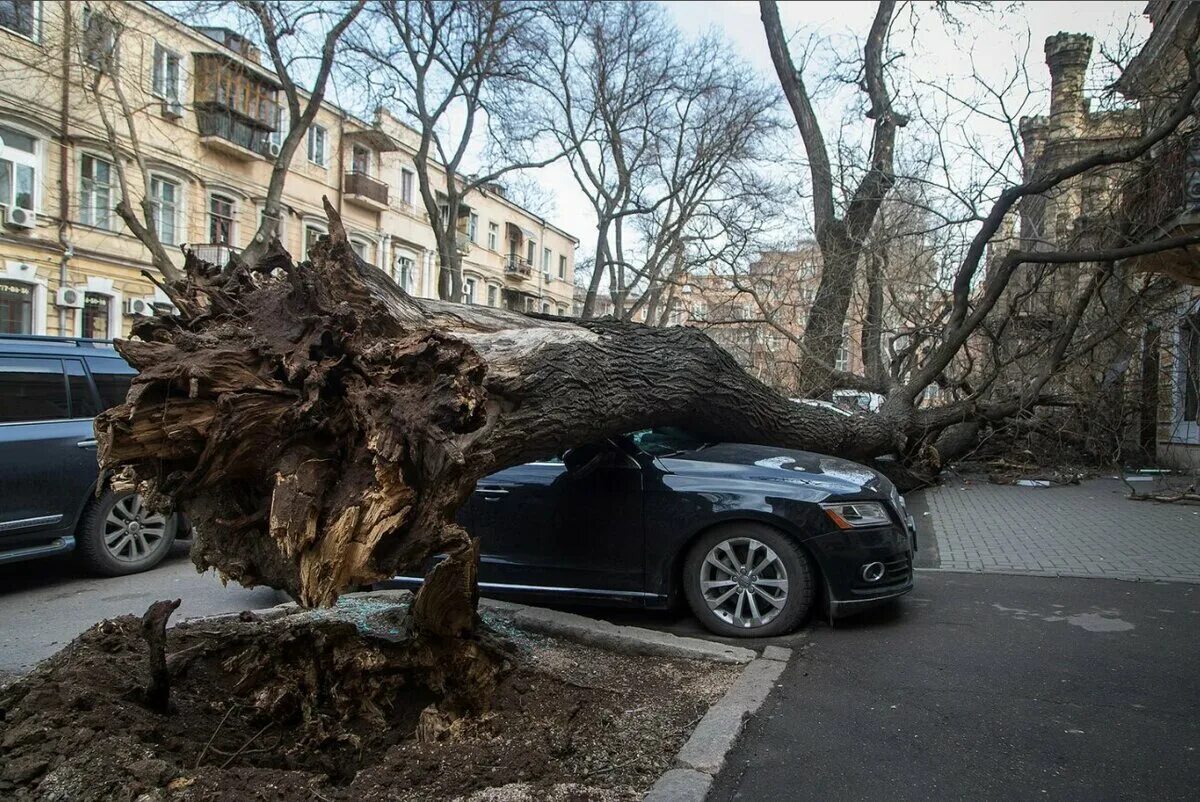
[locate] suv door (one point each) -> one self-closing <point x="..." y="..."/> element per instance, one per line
<point x="47" y="464"/>
<point x="575" y="526"/>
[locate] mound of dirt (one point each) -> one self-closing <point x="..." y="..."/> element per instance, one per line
<point x="339" y="705"/>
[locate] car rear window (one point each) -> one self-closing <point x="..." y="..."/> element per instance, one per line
<point x="112" y="378"/>
<point x="32" y="390"/>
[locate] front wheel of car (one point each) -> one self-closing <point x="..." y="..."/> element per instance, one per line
<point x="748" y="580"/>
<point x="120" y="535"/>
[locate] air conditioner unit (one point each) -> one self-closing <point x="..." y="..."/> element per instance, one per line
<point x="274" y="148"/>
<point x="69" y="297"/>
<point x="172" y="109"/>
<point x="19" y="218"/>
<point x="138" y="307"/>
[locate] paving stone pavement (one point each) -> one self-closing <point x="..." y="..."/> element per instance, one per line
<point x="1086" y="530"/>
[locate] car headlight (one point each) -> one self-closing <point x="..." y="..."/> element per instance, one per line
<point x="856" y="514"/>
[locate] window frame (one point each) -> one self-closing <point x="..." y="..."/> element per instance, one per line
<point x="314" y="225"/>
<point x="156" y="203"/>
<point x="35" y="34"/>
<point x="408" y="184"/>
<point x="357" y="148"/>
<point x="493" y="236"/>
<point x="312" y="138"/>
<point x="34" y="161"/>
<point x="468" y="290"/>
<point x="112" y="220"/>
<point x="210" y="216"/>
<point x="163" y="54"/>
<point x="401" y="274"/>
<point x="65" y="387"/>
<point x="473" y="227"/>
<point x="562" y="266"/>
<point x="547" y="257"/>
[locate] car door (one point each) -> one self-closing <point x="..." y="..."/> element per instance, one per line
<point x="47" y="454"/>
<point x="575" y="526"/>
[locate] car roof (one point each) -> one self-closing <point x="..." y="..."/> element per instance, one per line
<point x="56" y="346"/>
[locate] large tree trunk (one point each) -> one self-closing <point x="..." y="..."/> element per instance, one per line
<point x="321" y="428"/>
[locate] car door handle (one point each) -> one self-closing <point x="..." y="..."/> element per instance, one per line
<point x="86" y="443"/>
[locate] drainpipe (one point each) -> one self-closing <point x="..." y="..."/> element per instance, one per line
<point x="64" y="186"/>
<point x="341" y="161"/>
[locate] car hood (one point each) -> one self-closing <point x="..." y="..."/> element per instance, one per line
<point x="821" y="472"/>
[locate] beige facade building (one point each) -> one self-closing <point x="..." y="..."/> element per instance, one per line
<point x="206" y="113"/>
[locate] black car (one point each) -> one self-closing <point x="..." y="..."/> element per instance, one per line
<point x="751" y="536"/>
<point x="50" y="389"/>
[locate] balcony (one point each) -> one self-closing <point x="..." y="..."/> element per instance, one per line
<point x="517" y="267"/>
<point x="231" y="135"/>
<point x="215" y="253"/>
<point x="462" y="241"/>
<point x="366" y="191"/>
<point x="1163" y="201"/>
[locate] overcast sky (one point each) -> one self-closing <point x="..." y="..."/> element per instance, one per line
<point x="987" y="41"/>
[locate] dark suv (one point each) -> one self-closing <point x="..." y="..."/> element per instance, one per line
<point x="50" y="390"/>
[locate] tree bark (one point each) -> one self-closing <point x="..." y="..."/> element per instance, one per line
<point x="321" y="428"/>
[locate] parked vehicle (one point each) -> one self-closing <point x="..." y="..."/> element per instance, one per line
<point x="752" y="537"/>
<point x="50" y="390"/>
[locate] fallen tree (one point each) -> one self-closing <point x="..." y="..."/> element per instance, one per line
<point x="321" y="428"/>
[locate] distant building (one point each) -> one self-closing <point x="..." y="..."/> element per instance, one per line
<point x="208" y="115"/>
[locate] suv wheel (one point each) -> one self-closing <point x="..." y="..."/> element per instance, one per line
<point x="748" y="580"/>
<point x="119" y="535"/>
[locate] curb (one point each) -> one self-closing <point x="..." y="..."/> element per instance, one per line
<point x="703" y="755"/>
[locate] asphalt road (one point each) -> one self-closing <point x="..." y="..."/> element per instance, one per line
<point x="46" y="603"/>
<point x="987" y="687"/>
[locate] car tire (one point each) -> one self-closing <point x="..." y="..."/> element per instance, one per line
<point x="119" y="536"/>
<point x="778" y="585"/>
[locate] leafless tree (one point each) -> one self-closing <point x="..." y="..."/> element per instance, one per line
<point x="458" y="70"/>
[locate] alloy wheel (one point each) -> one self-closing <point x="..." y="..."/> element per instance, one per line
<point x="744" y="582"/>
<point x="131" y="531"/>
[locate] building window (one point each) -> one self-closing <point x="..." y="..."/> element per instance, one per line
<point x="843" y="356"/>
<point x="562" y="267"/>
<point x="220" y="220"/>
<point x="546" y="256"/>
<point x="493" y="236"/>
<point x="1189" y="338"/>
<point x="318" y="143"/>
<point x="405" y="273"/>
<point x="283" y="122"/>
<point x="468" y="295"/>
<point x="16" y="307"/>
<point x="164" y="200"/>
<point x="18" y="168"/>
<point x="406" y="186"/>
<point x="99" y="40"/>
<point x="20" y="16"/>
<point x="360" y="160"/>
<point x="362" y="248"/>
<point x="166" y="73"/>
<point x="312" y="232"/>
<point x="473" y="227"/>
<point x="562" y="311"/>
<point x="545" y="308"/>
<point x="97" y="312"/>
<point x="530" y="250"/>
<point x="493" y="294"/>
<point x="95" y="192"/>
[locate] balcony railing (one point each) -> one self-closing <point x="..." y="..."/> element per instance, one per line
<point x="214" y="253"/>
<point x="1159" y="194"/>
<point x="518" y="266"/>
<point x="233" y="129"/>
<point x="360" y="186"/>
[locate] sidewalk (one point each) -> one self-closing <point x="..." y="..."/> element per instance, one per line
<point x="1085" y="530"/>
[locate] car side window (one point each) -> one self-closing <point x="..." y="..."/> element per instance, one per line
<point x="83" y="400"/>
<point x="32" y="389"/>
<point x="112" y="378"/>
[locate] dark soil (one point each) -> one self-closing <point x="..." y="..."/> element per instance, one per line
<point x="327" y="705"/>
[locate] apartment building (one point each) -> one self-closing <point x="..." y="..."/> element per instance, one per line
<point x="207" y="115"/>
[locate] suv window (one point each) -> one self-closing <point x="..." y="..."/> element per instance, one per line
<point x="112" y="378"/>
<point x="83" y="400"/>
<point x="32" y="390"/>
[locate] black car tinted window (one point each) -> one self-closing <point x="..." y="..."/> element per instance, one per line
<point x="112" y="377"/>
<point x="32" y="390"/>
<point x="665" y="440"/>
<point x="83" y="400"/>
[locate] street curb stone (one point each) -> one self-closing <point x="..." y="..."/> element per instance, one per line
<point x="680" y="784"/>
<point x="780" y="653"/>
<point x="718" y="731"/>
